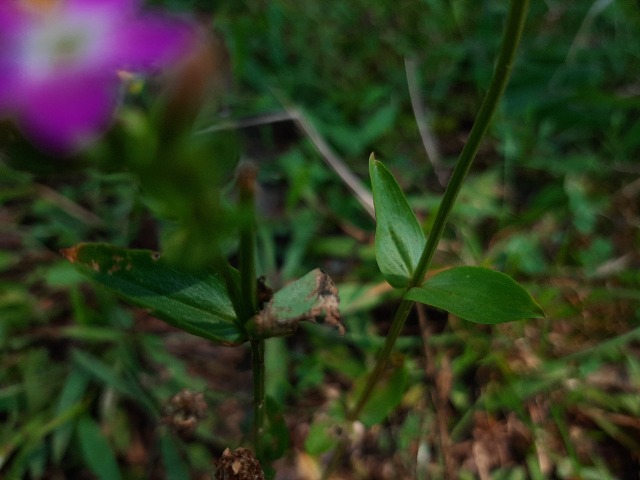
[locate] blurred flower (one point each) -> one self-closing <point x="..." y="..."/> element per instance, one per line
<point x="59" y="63"/>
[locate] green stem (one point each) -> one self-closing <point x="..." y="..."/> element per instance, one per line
<point x="396" y="327"/>
<point x="249" y="299"/>
<point x="257" y="363"/>
<point x="247" y="253"/>
<point x="511" y="38"/>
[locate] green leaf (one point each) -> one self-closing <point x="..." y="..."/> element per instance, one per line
<point x="174" y="465"/>
<point x="38" y="461"/>
<point x="72" y="394"/>
<point x="277" y="360"/>
<point x="194" y="302"/>
<point x="102" y="372"/>
<point x="276" y="434"/>
<point x="399" y="238"/>
<point x="326" y="429"/>
<point x="476" y="294"/>
<point x="321" y="437"/>
<point x="96" y="450"/>
<point x="305" y="299"/>
<point x="385" y="398"/>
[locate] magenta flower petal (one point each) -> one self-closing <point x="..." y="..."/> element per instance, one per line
<point x="125" y="7"/>
<point x="55" y="119"/>
<point x="10" y="18"/>
<point x="152" y="42"/>
<point x="58" y="66"/>
<point x="12" y="22"/>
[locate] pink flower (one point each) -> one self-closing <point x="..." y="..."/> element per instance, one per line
<point x="59" y="63"/>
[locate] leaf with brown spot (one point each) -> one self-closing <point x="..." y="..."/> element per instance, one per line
<point x="194" y="302"/>
<point x="305" y="299"/>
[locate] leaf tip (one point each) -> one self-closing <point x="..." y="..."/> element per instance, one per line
<point x="373" y="162"/>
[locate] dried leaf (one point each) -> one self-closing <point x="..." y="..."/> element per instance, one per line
<point x="307" y="298"/>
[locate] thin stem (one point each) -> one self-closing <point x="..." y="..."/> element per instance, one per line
<point x="511" y="38"/>
<point x="247" y="254"/>
<point x="376" y="374"/>
<point x="248" y="290"/>
<point x="257" y="364"/>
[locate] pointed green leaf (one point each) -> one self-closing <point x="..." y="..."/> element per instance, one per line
<point x="72" y="393"/>
<point x="196" y="303"/>
<point x="305" y="299"/>
<point x="321" y="437"/>
<point x="399" y="238"/>
<point x="111" y="376"/>
<point x="385" y="397"/>
<point x="174" y="465"/>
<point x="96" y="450"/>
<point x="276" y="436"/>
<point x="476" y="294"/>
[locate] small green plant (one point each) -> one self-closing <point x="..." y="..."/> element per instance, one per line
<point x="206" y="282"/>
<point x="230" y="306"/>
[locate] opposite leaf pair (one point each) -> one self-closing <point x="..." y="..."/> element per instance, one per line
<point x="476" y="294"/>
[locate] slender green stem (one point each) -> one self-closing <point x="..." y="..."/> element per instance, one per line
<point x="247" y="254"/>
<point x="257" y="363"/>
<point x="511" y="38"/>
<point x="396" y="327"/>
<point x="249" y="298"/>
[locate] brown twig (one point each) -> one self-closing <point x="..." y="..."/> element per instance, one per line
<point x="69" y="206"/>
<point x="253" y="121"/>
<point x="362" y="194"/>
